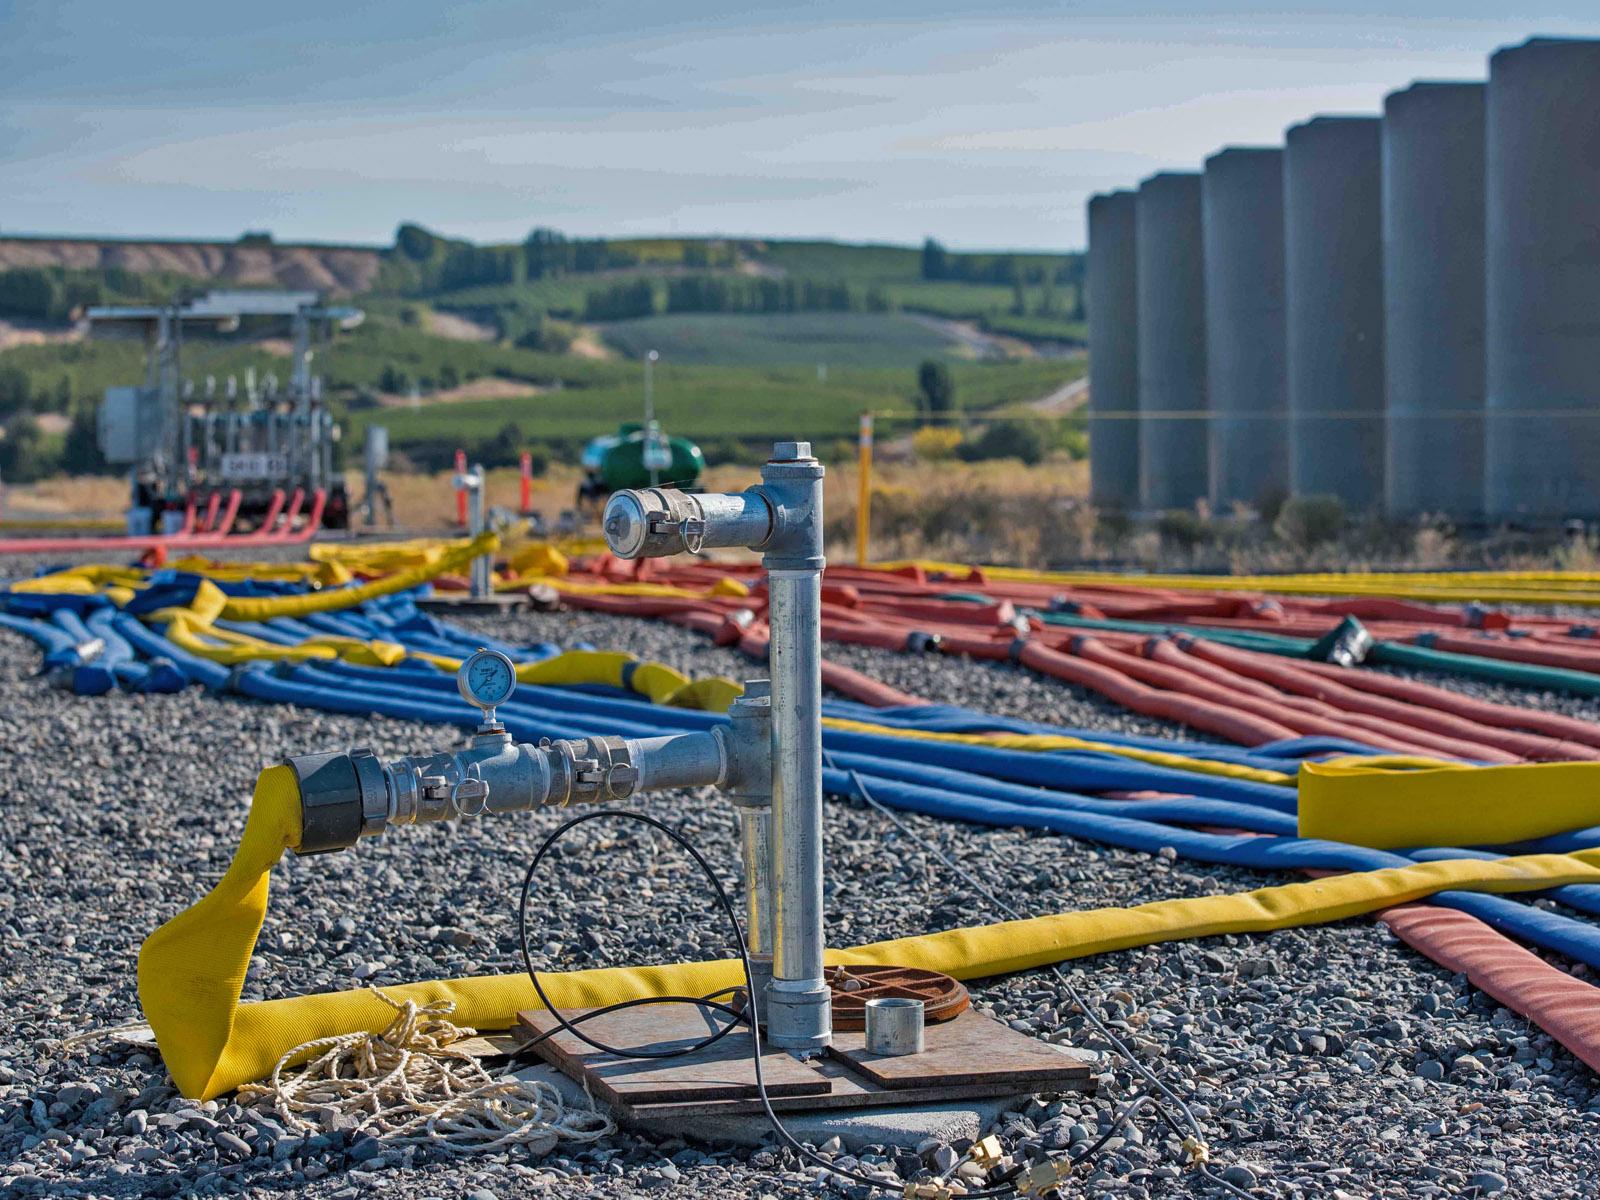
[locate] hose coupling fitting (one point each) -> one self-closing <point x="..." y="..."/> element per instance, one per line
<point x="1044" y="1176"/>
<point x="592" y="770"/>
<point x="987" y="1152"/>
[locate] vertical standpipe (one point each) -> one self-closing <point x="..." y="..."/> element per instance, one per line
<point x="799" y="1012"/>
<point x="1333" y="273"/>
<point x="1113" y="351"/>
<point x="1433" y="291"/>
<point x="1246" y="374"/>
<point x="1173" y="460"/>
<point x="1543" y="257"/>
<point x="782" y="518"/>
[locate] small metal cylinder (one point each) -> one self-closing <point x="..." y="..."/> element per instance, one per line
<point x="894" y="1025"/>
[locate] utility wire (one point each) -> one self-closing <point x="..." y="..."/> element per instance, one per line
<point x="1149" y="1077"/>
<point x="1002" y="1184"/>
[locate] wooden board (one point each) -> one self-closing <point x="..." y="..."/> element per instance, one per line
<point x="719" y="1072"/>
<point x="971" y="1049"/>
<point x="971" y="1056"/>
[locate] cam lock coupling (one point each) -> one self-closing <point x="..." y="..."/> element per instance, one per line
<point x="590" y="770"/>
<point x="467" y="796"/>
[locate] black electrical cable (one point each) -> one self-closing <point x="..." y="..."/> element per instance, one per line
<point x="740" y="1017"/>
<point x="1149" y="1077"/>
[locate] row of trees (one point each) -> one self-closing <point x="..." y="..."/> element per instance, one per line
<point x="27" y="454"/>
<point x="729" y="294"/>
<point x="55" y="293"/>
<point x="1005" y="269"/>
<point x="443" y="264"/>
<point x="21" y="393"/>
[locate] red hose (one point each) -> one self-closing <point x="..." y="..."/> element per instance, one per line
<point x="1229" y="698"/>
<point x="1416" y="715"/>
<point x="1501" y="716"/>
<point x="1219" y="719"/>
<point x="756" y="642"/>
<point x="274" y="507"/>
<point x="1566" y="1008"/>
<point x="212" y="505"/>
<point x="1164" y="651"/>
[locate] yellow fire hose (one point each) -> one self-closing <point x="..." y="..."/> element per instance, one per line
<point x="192" y="969"/>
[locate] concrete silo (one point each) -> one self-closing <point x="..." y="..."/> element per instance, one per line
<point x="1172" y="342"/>
<point x="1433" y="269"/>
<point x="1543" y="256"/>
<point x="1247" y="382"/>
<point x="1113" y="351"/>
<point x="1333" y="275"/>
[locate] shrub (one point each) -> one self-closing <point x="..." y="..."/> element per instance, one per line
<point x="1022" y="440"/>
<point x="1183" y="529"/>
<point x="504" y="449"/>
<point x="936" y="390"/>
<point x="24" y="455"/>
<point x="80" y="454"/>
<point x="1306" y="522"/>
<point x="1076" y="443"/>
<point x="936" y="443"/>
<point x="543" y="334"/>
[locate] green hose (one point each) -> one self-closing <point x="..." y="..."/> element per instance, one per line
<point x="1393" y="654"/>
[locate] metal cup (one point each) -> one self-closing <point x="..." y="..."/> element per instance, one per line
<point x="894" y="1026"/>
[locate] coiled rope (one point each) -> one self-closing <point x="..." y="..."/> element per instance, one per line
<point x="413" y="1084"/>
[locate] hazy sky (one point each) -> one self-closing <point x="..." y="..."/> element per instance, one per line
<point x="985" y="125"/>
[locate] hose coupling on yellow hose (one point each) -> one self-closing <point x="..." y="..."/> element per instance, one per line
<point x="1199" y="1153"/>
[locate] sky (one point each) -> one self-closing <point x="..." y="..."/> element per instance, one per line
<point x="985" y="125"/>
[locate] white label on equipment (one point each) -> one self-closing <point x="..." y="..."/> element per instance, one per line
<point x="253" y="466"/>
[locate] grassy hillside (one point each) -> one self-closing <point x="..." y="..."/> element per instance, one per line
<point x="715" y="404"/>
<point x="756" y="339"/>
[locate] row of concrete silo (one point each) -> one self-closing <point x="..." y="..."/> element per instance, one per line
<point x="1402" y="311"/>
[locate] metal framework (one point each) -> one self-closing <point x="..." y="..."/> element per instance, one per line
<point x="259" y="440"/>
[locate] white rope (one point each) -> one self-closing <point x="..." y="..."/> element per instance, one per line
<point x="411" y="1085"/>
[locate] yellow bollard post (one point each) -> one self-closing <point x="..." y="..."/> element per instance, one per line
<point x="864" y="492"/>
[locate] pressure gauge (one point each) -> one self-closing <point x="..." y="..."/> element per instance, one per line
<point x="486" y="680"/>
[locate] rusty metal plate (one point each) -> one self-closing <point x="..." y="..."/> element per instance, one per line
<point x="943" y="998"/>
<point x="719" y="1072"/>
<point x="967" y="1051"/>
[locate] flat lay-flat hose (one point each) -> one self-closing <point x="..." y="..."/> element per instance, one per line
<point x="192" y="969"/>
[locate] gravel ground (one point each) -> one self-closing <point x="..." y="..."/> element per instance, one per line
<point x="1329" y="1061"/>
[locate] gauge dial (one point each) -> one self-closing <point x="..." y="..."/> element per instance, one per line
<point x="487" y="679"/>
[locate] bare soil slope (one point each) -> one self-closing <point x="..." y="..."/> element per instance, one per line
<point x="334" y="269"/>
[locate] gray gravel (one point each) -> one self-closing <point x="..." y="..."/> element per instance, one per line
<point x="1329" y="1061"/>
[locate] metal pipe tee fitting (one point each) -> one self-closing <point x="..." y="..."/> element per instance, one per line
<point x="782" y="517"/>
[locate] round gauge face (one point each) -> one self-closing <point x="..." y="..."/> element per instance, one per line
<point x="487" y="679"/>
